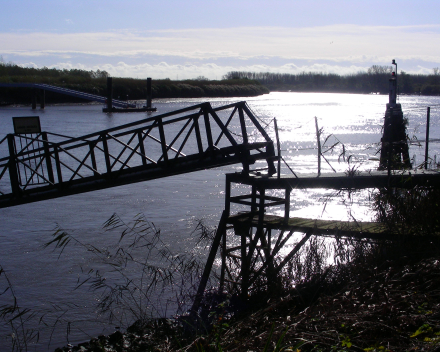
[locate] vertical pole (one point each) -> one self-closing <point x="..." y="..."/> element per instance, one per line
<point x="278" y="146"/>
<point x="428" y="113"/>
<point x="208" y="129"/>
<point x="207" y="271"/>
<point x="93" y="158"/>
<point x="106" y="153"/>
<point x="58" y="164"/>
<point x="42" y="98"/>
<point x="163" y="142"/>
<point x="226" y="213"/>
<point x="318" y="138"/>
<point x="13" y="175"/>
<point x="198" y="135"/>
<point x="244" y="263"/>
<point x="254" y="199"/>
<point x="243" y="125"/>
<point x="142" y="148"/>
<point x="109" y="94"/>
<point x="287" y="204"/>
<point x="47" y="157"/>
<point x="223" y="268"/>
<point x="149" y="95"/>
<point x="228" y="195"/>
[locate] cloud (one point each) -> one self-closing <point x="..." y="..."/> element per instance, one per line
<point x="214" y="51"/>
<point x="335" y="42"/>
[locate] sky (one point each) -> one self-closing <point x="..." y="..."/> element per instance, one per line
<point x="187" y="39"/>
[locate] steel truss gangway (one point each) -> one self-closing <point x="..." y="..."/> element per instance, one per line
<point x="45" y="165"/>
<point x="70" y="92"/>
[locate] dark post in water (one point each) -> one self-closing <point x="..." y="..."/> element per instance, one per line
<point x="149" y="95"/>
<point x="109" y="94"/>
<point x="394" y="153"/>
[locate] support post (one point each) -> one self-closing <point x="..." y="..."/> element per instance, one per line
<point x="47" y="157"/>
<point x="243" y="125"/>
<point x="13" y="174"/>
<point x="93" y="158"/>
<point x="142" y="148"/>
<point x="109" y="94"/>
<point x="208" y="130"/>
<point x="318" y="138"/>
<point x="42" y="98"/>
<point x="287" y="205"/>
<point x="278" y="147"/>
<point x="106" y="154"/>
<point x="207" y="271"/>
<point x="428" y="113"/>
<point x="149" y="95"/>
<point x="163" y="142"/>
<point x="58" y="165"/>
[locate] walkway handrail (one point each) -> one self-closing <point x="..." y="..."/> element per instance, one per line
<point x="186" y="140"/>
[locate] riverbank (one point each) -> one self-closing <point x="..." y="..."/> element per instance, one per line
<point x="394" y="307"/>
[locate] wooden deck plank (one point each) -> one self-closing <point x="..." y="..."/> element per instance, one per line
<point x="320" y="227"/>
<point x="362" y="180"/>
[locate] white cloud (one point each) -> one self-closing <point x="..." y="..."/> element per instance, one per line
<point x="213" y="52"/>
<point x="334" y="42"/>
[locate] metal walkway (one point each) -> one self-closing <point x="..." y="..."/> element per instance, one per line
<point x="71" y="92"/>
<point x="35" y="168"/>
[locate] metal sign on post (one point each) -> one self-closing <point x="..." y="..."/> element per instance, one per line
<point x="26" y="124"/>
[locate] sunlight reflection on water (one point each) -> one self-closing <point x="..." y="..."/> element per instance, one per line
<point x="176" y="203"/>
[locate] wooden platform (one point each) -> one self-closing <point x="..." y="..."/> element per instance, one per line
<point x="361" y="180"/>
<point x="369" y="230"/>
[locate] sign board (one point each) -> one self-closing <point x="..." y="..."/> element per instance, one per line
<point x="26" y="124"/>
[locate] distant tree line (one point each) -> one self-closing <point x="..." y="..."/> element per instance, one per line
<point x="376" y="80"/>
<point x="12" y="70"/>
<point x="95" y="82"/>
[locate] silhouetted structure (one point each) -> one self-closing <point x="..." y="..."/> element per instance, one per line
<point x="394" y="152"/>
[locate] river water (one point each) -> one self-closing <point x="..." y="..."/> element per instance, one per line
<point x="44" y="282"/>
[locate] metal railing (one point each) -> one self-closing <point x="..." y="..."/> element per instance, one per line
<point x="186" y="140"/>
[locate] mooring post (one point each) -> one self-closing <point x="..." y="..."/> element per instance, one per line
<point x="42" y="98"/>
<point x="428" y="113"/>
<point x="149" y="95"/>
<point x="109" y="94"/>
